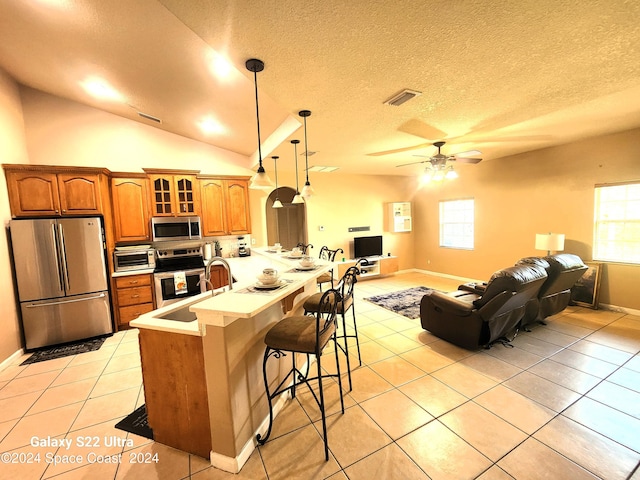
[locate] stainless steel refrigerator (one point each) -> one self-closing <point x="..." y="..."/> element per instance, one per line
<point x="62" y="279"/>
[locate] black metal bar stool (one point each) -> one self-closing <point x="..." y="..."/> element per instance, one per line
<point x="313" y="304"/>
<point x="329" y="255"/>
<point x="304" y="248"/>
<point x="301" y="334"/>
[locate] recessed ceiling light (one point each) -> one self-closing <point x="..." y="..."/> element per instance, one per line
<point x="220" y="66"/>
<point x="100" y="89"/>
<point x="210" y="126"/>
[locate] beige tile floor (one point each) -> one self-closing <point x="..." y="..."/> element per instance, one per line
<point x="564" y="402"/>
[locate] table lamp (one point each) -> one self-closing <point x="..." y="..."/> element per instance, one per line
<point x="550" y="241"/>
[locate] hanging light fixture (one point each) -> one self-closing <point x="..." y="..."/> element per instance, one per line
<point x="297" y="198"/>
<point x="277" y="203"/>
<point x="260" y="180"/>
<point x="307" y="190"/>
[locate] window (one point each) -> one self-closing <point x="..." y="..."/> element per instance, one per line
<point x="456" y="223"/>
<point x="617" y="223"/>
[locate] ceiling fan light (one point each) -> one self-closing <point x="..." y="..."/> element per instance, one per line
<point x="451" y="174"/>
<point x="427" y="176"/>
<point x="438" y="176"/>
<point x="277" y="204"/>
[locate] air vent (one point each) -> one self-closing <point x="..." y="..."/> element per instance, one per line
<point x="359" y="229"/>
<point x="149" y="117"/>
<point x="402" y="97"/>
<point x="309" y="153"/>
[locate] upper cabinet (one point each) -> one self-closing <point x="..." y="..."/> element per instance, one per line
<point x="225" y="206"/>
<point x="130" y="197"/>
<point x="174" y="193"/>
<point x="37" y="191"/>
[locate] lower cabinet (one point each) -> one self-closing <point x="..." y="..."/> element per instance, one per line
<point x="134" y="296"/>
<point x="219" y="277"/>
<point x="378" y="266"/>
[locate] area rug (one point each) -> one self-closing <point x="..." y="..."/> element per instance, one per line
<point x="137" y="423"/>
<point x="65" y="350"/>
<point x="403" y="302"/>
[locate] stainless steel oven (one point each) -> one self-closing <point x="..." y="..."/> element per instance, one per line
<point x="179" y="274"/>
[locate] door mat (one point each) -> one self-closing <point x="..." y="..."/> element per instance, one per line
<point x="60" y="351"/>
<point x="403" y="302"/>
<point x="137" y="423"/>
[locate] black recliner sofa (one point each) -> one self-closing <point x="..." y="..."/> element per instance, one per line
<point x="563" y="271"/>
<point x="477" y="315"/>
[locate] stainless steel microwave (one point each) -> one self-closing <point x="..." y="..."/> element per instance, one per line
<point x="175" y="228"/>
<point x="134" y="258"/>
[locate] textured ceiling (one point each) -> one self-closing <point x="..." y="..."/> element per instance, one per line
<point x="499" y="77"/>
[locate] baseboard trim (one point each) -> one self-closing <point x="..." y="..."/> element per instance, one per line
<point x="8" y="361"/>
<point x="615" y="308"/>
<point x="446" y="275"/>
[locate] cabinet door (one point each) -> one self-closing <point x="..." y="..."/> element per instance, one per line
<point x="79" y="194"/>
<point x="213" y="207"/>
<point x="237" y="203"/>
<point x="130" y="209"/>
<point x="186" y="199"/>
<point x="162" y="201"/>
<point x="219" y="277"/>
<point x="33" y="194"/>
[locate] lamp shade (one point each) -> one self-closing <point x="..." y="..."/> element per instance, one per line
<point x="550" y="241"/>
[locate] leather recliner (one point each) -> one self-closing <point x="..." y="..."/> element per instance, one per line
<point x="563" y="271"/>
<point x="472" y="319"/>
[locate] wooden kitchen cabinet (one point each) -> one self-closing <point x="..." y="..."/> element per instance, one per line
<point x="130" y="197"/>
<point x="174" y="193"/>
<point x="219" y="277"/>
<point x="134" y="296"/>
<point x="36" y="191"/>
<point x="225" y="205"/>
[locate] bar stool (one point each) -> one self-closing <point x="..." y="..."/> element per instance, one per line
<point x="304" y="248"/>
<point x="313" y="304"/>
<point x="329" y="255"/>
<point x="308" y="335"/>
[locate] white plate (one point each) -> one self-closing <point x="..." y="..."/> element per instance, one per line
<point x="300" y="267"/>
<point x="294" y="256"/>
<point x="271" y="286"/>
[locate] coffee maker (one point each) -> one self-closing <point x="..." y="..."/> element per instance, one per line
<point x="243" y="251"/>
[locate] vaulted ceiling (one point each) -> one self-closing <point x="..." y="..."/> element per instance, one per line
<point x="499" y="77"/>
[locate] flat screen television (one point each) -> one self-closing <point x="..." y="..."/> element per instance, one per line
<point x="367" y="246"/>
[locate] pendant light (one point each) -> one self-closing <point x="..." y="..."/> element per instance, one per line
<point x="260" y="180"/>
<point x="307" y="190"/>
<point x="277" y="203"/>
<point x="297" y="198"/>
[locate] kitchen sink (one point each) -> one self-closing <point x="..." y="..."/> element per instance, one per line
<point x="180" y="315"/>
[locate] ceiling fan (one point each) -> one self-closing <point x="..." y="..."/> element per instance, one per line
<point x="439" y="160"/>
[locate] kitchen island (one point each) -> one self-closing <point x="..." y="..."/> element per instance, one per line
<point x="202" y="360"/>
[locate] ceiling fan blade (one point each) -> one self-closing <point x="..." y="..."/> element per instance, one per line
<point x="412" y="163"/>
<point x="399" y="150"/>
<point x="469" y="153"/>
<point x="420" y="129"/>
<point x="468" y="160"/>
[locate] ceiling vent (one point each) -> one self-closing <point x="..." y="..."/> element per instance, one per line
<point x="149" y="117"/>
<point x="402" y="97"/>
<point x="308" y="153"/>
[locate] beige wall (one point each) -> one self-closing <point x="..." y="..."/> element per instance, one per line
<point x="12" y="150"/>
<point x="519" y="196"/>
<point x="344" y="201"/>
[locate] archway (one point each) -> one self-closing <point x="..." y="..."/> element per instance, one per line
<point x="286" y="225"/>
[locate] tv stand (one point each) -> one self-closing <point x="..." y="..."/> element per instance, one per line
<point x="377" y="266"/>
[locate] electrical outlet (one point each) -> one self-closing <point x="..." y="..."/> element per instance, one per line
<point x="253" y="241"/>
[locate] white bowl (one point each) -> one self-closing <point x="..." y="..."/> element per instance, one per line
<point x="307" y="262"/>
<point x="268" y="279"/>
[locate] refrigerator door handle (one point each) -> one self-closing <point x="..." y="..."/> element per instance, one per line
<point x="63" y="256"/>
<point x="54" y="240"/>
<point x="49" y="304"/>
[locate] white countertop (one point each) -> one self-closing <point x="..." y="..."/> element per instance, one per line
<point x="224" y="308"/>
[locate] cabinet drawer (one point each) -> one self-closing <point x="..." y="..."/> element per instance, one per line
<point x="134" y="296"/>
<point x="134" y="311"/>
<point x="133" y="281"/>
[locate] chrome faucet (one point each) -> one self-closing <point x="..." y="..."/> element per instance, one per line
<point x="207" y="273"/>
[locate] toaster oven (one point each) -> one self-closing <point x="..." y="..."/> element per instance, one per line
<point x="134" y="258"/>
